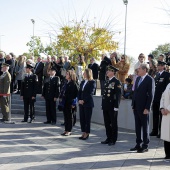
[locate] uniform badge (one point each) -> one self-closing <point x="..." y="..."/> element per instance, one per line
<point x="108" y="91"/>
<point x="108" y="95"/>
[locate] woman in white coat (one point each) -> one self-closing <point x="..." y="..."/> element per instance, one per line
<point x="165" y="125"/>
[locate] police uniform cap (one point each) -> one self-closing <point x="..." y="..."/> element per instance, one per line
<point x="5" y="65"/>
<point x="30" y="66"/>
<point x="112" y="68"/>
<point x="161" y="62"/>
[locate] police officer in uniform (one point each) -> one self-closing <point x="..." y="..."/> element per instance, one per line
<point x="51" y="93"/>
<point x="110" y="105"/>
<point x="28" y="93"/>
<point x="162" y="79"/>
<point x="5" y="80"/>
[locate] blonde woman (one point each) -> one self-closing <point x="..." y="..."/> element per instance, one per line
<point x="70" y="91"/>
<point x="20" y="70"/>
<point x="86" y="103"/>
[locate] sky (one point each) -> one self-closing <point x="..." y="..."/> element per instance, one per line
<point x="145" y="21"/>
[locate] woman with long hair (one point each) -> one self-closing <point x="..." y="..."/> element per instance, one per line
<point x="68" y="97"/>
<point x="86" y="103"/>
<point x="20" y="70"/>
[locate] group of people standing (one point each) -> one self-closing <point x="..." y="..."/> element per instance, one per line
<point x="73" y="83"/>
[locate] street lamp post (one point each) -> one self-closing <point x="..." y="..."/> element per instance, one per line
<point x="33" y="22"/>
<point x="125" y="2"/>
<point x="0" y="41"/>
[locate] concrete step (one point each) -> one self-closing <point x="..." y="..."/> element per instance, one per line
<point x="21" y="106"/>
<point x="37" y="112"/>
<point x="37" y="103"/>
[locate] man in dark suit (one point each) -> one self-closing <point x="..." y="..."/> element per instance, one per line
<point x="28" y="94"/>
<point x="102" y="71"/>
<point x="38" y="70"/>
<point x="51" y="93"/>
<point x="162" y="79"/>
<point x="95" y="70"/>
<point x="110" y="105"/>
<point x="141" y="104"/>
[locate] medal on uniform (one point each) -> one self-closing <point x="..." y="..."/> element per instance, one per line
<point x="108" y="95"/>
<point x="108" y="91"/>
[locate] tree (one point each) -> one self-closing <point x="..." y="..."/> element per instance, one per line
<point x="84" y="39"/>
<point x="35" y="46"/>
<point x="161" y="49"/>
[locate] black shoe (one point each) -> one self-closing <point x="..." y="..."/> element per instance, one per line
<point x="142" y="150"/>
<point x="81" y="137"/>
<point x="53" y="123"/>
<point x="24" y="121"/>
<point x="153" y="134"/>
<point x="84" y="138"/>
<point x="2" y="120"/>
<point x="111" y="143"/>
<point x="135" y="148"/>
<point x="167" y="157"/>
<point x="105" y="142"/>
<point x="63" y="134"/>
<point x="62" y="124"/>
<point x="158" y="136"/>
<point x="47" y="122"/>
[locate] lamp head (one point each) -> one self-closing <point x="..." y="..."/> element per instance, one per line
<point x="125" y="2"/>
<point x="32" y="21"/>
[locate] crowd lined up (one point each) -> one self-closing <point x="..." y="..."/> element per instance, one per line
<point x="75" y="83"/>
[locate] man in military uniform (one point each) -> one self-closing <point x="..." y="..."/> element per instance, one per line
<point x="51" y="93"/>
<point x="28" y="93"/>
<point x="5" y="80"/>
<point x="162" y="79"/>
<point x="110" y="105"/>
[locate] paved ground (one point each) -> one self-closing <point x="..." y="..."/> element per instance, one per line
<point x="41" y="147"/>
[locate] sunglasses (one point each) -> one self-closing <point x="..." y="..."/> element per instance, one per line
<point x="122" y="58"/>
<point x="141" y="57"/>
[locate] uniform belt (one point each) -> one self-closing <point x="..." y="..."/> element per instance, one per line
<point x="4" y="94"/>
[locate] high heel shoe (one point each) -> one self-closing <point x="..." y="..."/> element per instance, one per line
<point x="81" y="137"/>
<point x="84" y="138"/>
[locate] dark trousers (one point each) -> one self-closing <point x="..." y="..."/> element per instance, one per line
<point x="40" y="82"/>
<point x="67" y="110"/>
<point x="167" y="148"/>
<point x="110" y="122"/>
<point x="19" y="85"/>
<point x="141" y="123"/>
<point x="85" y="118"/>
<point x="50" y="110"/>
<point x="4" y="104"/>
<point x="29" y="105"/>
<point x="157" y="117"/>
<point x="102" y="86"/>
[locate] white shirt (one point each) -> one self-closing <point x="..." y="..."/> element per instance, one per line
<point x="84" y="84"/>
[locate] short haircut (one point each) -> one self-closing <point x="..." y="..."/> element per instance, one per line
<point x="144" y="67"/>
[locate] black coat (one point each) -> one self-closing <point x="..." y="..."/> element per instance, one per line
<point x="39" y="70"/>
<point x="71" y="92"/>
<point x="103" y="68"/>
<point x="112" y="94"/>
<point x="87" y="94"/>
<point x="29" y="86"/>
<point x="95" y="70"/>
<point x="143" y="95"/>
<point x="160" y="84"/>
<point x="51" y="88"/>
<point x="11" y="66"/>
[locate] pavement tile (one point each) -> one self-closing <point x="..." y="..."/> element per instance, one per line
<point x="37" y="146"/>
